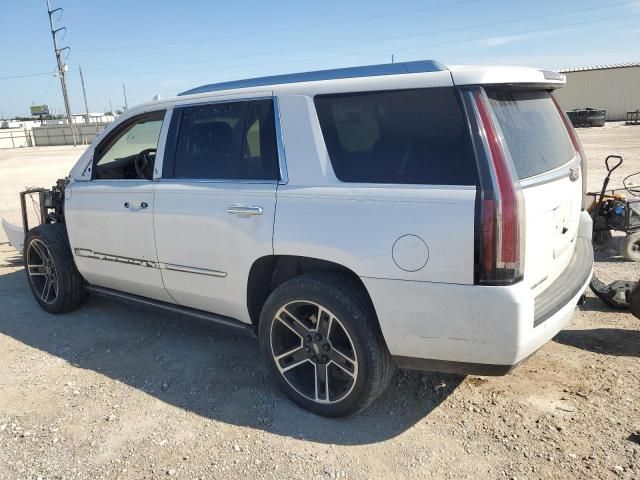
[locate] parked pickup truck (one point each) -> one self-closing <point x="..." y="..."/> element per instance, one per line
<point x="354" y="220"/>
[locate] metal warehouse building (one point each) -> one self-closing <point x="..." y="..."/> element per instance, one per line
<point x="615" y="88"/>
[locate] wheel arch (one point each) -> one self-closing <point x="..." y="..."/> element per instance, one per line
<point x="270" y="271"/>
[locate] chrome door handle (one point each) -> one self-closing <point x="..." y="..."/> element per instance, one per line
<point x="136" y="205"/>
<point x="244" y="211"/>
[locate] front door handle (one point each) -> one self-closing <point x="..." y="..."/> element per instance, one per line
<point x="244" y="211"/>
<point x="136" y="205"/>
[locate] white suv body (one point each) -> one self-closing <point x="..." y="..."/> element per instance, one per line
<point x="472" y="259"/>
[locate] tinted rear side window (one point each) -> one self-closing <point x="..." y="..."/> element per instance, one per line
<point x="234" y="140"/>
<point x="403" y="136"/>
<point x="533" y="130"/>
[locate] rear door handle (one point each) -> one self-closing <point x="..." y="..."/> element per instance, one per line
<point x="244" y="211"/>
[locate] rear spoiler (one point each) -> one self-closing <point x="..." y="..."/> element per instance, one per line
<point x="512" y="76"/>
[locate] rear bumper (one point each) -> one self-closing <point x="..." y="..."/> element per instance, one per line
<point x="567" y="285"/>
<point x="476" y="329"/>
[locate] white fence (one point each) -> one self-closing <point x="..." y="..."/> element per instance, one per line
<point x="62" y="135"/>
<point x="15" y="138"/>
<point x="49" y="135"/>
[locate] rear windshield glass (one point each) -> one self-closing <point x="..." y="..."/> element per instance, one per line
<point x="533" y="129"/>
<point x="402" y="137"/>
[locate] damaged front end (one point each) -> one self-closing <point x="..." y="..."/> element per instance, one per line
<point x="47" y="207"/>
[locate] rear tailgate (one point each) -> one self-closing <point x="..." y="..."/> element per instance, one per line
<point x="548" y="167"/>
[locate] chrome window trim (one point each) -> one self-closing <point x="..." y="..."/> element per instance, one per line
<point x="169" y="181"/>
<point x="282" y="159"/>
<point x="217" y="100"/>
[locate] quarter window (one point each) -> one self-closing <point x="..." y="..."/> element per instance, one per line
<point x="233" y="140"/>
<point x="400" y="137"/>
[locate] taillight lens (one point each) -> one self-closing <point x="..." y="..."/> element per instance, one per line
<point x="499" y="231"/>
<point x="579" y="150"/>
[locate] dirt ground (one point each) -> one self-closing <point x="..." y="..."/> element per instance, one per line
<point x="110" y="391"/>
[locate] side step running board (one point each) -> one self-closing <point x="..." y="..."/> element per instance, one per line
<point x="231" y="323"/>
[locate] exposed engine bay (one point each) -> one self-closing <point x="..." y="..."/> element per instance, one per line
<point x="51" y="203"/>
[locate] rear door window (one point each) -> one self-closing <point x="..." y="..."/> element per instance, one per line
<point x="400" y="137"/>
<point x="231" y="140"/>
<point x="533" y="130"/>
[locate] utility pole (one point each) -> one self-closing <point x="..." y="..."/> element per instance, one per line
<point x="84" y="93"/>
<point x="124" y="91"/>
<point x="392" y="58"/>
<point x="61" y="68"/>
<point x="110" y="107"/>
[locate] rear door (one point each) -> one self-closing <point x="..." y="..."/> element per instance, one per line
<point x="215" y="204"/>
<point x="548" y="168"/>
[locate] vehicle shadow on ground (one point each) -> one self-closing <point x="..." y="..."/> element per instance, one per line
<point x="594" y="304"/>
<point x="609" y="341"/>
<point x="203" y="368"/>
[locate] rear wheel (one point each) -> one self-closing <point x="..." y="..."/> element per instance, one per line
<point x="53" y="278"/>
<point x="323" y="346"/>
<point x="630" y="248"/>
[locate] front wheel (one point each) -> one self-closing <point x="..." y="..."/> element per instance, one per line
<point x="53" y="278"/>
<point x="322" y="343"/>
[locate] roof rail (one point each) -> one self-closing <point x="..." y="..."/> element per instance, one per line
<point x="419" y="66"/>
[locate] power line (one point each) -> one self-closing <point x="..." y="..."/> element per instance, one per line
<point x="25" y="75"/>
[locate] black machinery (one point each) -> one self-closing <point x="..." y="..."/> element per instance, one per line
<point x="612" y="210"/>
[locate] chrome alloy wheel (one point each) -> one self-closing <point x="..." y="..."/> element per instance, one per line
<point x="313" y="352"/>
<point x="42" y="271"/>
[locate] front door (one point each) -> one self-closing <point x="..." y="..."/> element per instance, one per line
<point x="110" y="218"/>
<point x="215" y="205"/>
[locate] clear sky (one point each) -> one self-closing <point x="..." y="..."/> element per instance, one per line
<point x="167" y="47"/>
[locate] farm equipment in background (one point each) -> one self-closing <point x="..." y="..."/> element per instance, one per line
<point x="612" y="210"/>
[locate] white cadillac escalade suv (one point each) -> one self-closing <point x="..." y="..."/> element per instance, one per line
<point x="354" y="220"/>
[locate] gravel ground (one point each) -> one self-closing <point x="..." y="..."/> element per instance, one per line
<point x="111" y="391"/>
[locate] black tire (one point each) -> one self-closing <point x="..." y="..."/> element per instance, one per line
<point x="68" y="283"/>
<point x="351" y="312"/>
<point x="630" y="248"/>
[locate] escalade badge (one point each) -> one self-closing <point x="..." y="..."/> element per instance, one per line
<point x="574" y="174"/>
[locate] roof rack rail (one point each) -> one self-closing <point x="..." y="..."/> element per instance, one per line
<point x="419" y="66"/>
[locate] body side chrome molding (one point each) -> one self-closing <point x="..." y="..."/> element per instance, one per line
<point x="86" y="253"/>
<point x="197" y="271"/>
